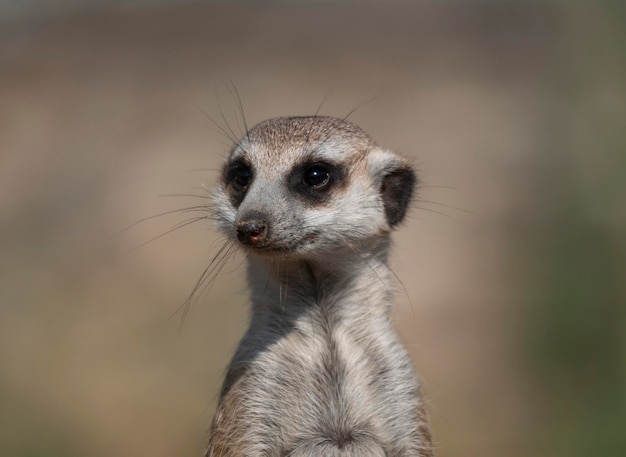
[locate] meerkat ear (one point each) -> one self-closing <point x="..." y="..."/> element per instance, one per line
<point x="396" y="180"/>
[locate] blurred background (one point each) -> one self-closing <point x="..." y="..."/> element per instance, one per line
<point x="513" y="260"/>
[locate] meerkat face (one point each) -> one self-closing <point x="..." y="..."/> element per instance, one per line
<point x="307" y="186"/>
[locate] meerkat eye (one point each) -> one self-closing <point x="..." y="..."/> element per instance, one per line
<point x="241" y="176"/>
<point x="316" y="176"/>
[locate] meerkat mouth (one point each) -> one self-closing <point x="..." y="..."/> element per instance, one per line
<point x="282" y="248"/>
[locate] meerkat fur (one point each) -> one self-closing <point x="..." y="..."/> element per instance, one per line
<point x="320" y="371"/>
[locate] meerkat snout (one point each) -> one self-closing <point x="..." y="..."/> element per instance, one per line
<point x="252" y="232"/>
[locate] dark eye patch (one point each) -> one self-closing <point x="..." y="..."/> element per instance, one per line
<point x="315" y="181"/>
<point x="241" y="176"/>
<point x="237" y="177"/>
<point x="317" y="176"/>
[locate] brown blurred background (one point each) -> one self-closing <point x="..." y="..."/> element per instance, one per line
<point x="513" y="261"/>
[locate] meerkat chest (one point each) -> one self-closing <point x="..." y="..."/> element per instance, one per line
<point x="325" y="376"/>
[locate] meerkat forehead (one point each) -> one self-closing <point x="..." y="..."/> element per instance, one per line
<point x="302" y="135"/>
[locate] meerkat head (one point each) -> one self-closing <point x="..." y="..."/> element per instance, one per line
<point x="307" y="186"/>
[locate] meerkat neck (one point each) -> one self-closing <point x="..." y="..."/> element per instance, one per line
<point x="349" y="280"/>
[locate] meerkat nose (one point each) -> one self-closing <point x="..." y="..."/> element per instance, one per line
<point x="251" y="232"/>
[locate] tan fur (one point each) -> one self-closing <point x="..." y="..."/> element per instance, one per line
<point x="320" y="371"/>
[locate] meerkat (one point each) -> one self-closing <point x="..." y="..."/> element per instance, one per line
<point x="312" y="200"/>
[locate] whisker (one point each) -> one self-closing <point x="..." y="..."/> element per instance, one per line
<point x="359" y="106"/>
<point x="440" y="213"/>
<point x="280" y="291"/>
<point x="173" y="229"/>
<point x="233" y="88"/>
<point x="352" y="111"/>
<point x="406" y="292"/>
<point x="218" y="128"/>
<point x="243" y="261"/>
<point x="324" y="100"/>
<point x="269" y="278"/>
<point x="233" y="135"/>
<point x="419" y="200"/>
<point x="213" y="274"/>
<point x="198" y="208"/>
<point x="364" y="260"/>
<point x="427" y="186"/>
<point x="206" y="273"/>
<point x="194" y="170"/>
<point x="186" y="221"/>
<point x="186" y="195"/>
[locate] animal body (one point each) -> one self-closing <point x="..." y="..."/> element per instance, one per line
<point x="320" y="372"/>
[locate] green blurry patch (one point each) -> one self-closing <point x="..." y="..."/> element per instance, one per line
<point x="576" y="327"/>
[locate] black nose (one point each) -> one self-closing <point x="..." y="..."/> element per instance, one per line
<point x="252" y="232"/>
